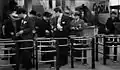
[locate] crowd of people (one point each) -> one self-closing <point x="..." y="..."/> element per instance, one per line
<point x="18" y="24"/>
<point x="22" y="25"/>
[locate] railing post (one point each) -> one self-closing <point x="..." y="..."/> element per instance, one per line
<point x="96" y="46"/>
<point x="17" y="55"/>
<point x="33" y="55"/>
<point x="36" y="48"/>
<point x="104" y="51"/>
<point x="115" y="49"/>
<point x="93" y="53"/>
<point x="72" y="58"/>
<point x="57" y="55"/>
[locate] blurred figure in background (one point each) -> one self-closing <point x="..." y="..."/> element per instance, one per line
<point x="110" y="28"/>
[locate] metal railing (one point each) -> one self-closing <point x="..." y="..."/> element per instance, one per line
<point x="42" y="43"/>
<point x="39" y="43"/>
<point x="14" y="44"/>
<point x="7" y="42"/>
<point x="108" y="43"/>
<point x="81" y="44"/>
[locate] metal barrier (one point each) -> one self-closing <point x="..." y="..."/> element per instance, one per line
<point x="8" y="43"/>
<point x="39" y="43"/>
<point x="82" y="46"/>
<point x="63" y="50"/>
<point x="46" y="43"/>
<point x="4" y="42"/>
<point x="109" y="42"/>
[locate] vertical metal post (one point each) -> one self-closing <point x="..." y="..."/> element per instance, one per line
<point x="96" y="46"/>
<point x="115" y="49"/>
<point x="93" y="54"/>
<point x="85" y="52"/>
<point x="72" y="56"/>
<point x="17" y="56"/>
<point x="104" y="51"/>
<point x="57" y="56"/>
<point x="33" y="55"/>
<point x="36" y="48"/>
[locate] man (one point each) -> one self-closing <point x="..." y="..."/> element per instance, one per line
<point x="110" y="28"/>
<point x="62" y="29"/>
<point x="43" y="26"/>
<point x="25" y="33"/>
<point x="10" y="27"/>
<point x="62" y="23"/>
<point x="43" y="29"/>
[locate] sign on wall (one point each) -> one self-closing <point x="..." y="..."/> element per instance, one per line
<point x="101" y="7"/>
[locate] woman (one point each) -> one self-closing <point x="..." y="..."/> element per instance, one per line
<point x="77" y="25"/>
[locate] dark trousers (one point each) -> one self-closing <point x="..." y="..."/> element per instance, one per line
<point x="63" y="53"/>
<point x="25" y="56"/>
<point x="63" y="50"/>
<point x="80" y="53"/>
<point x="49" y="55"/>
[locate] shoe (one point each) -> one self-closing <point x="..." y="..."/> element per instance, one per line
<point x="115" y="61"/>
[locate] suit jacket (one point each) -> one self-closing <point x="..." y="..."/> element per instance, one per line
<point x="110" y="25"/>
<point x="65" y="23"/>
<point x="41" y="26"/>
<point x="28" y="26"/>
<point x="11" y="27"/>
<point x="80" y="25"/>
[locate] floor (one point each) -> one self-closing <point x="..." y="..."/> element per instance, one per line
<point x="78" y="66"/>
